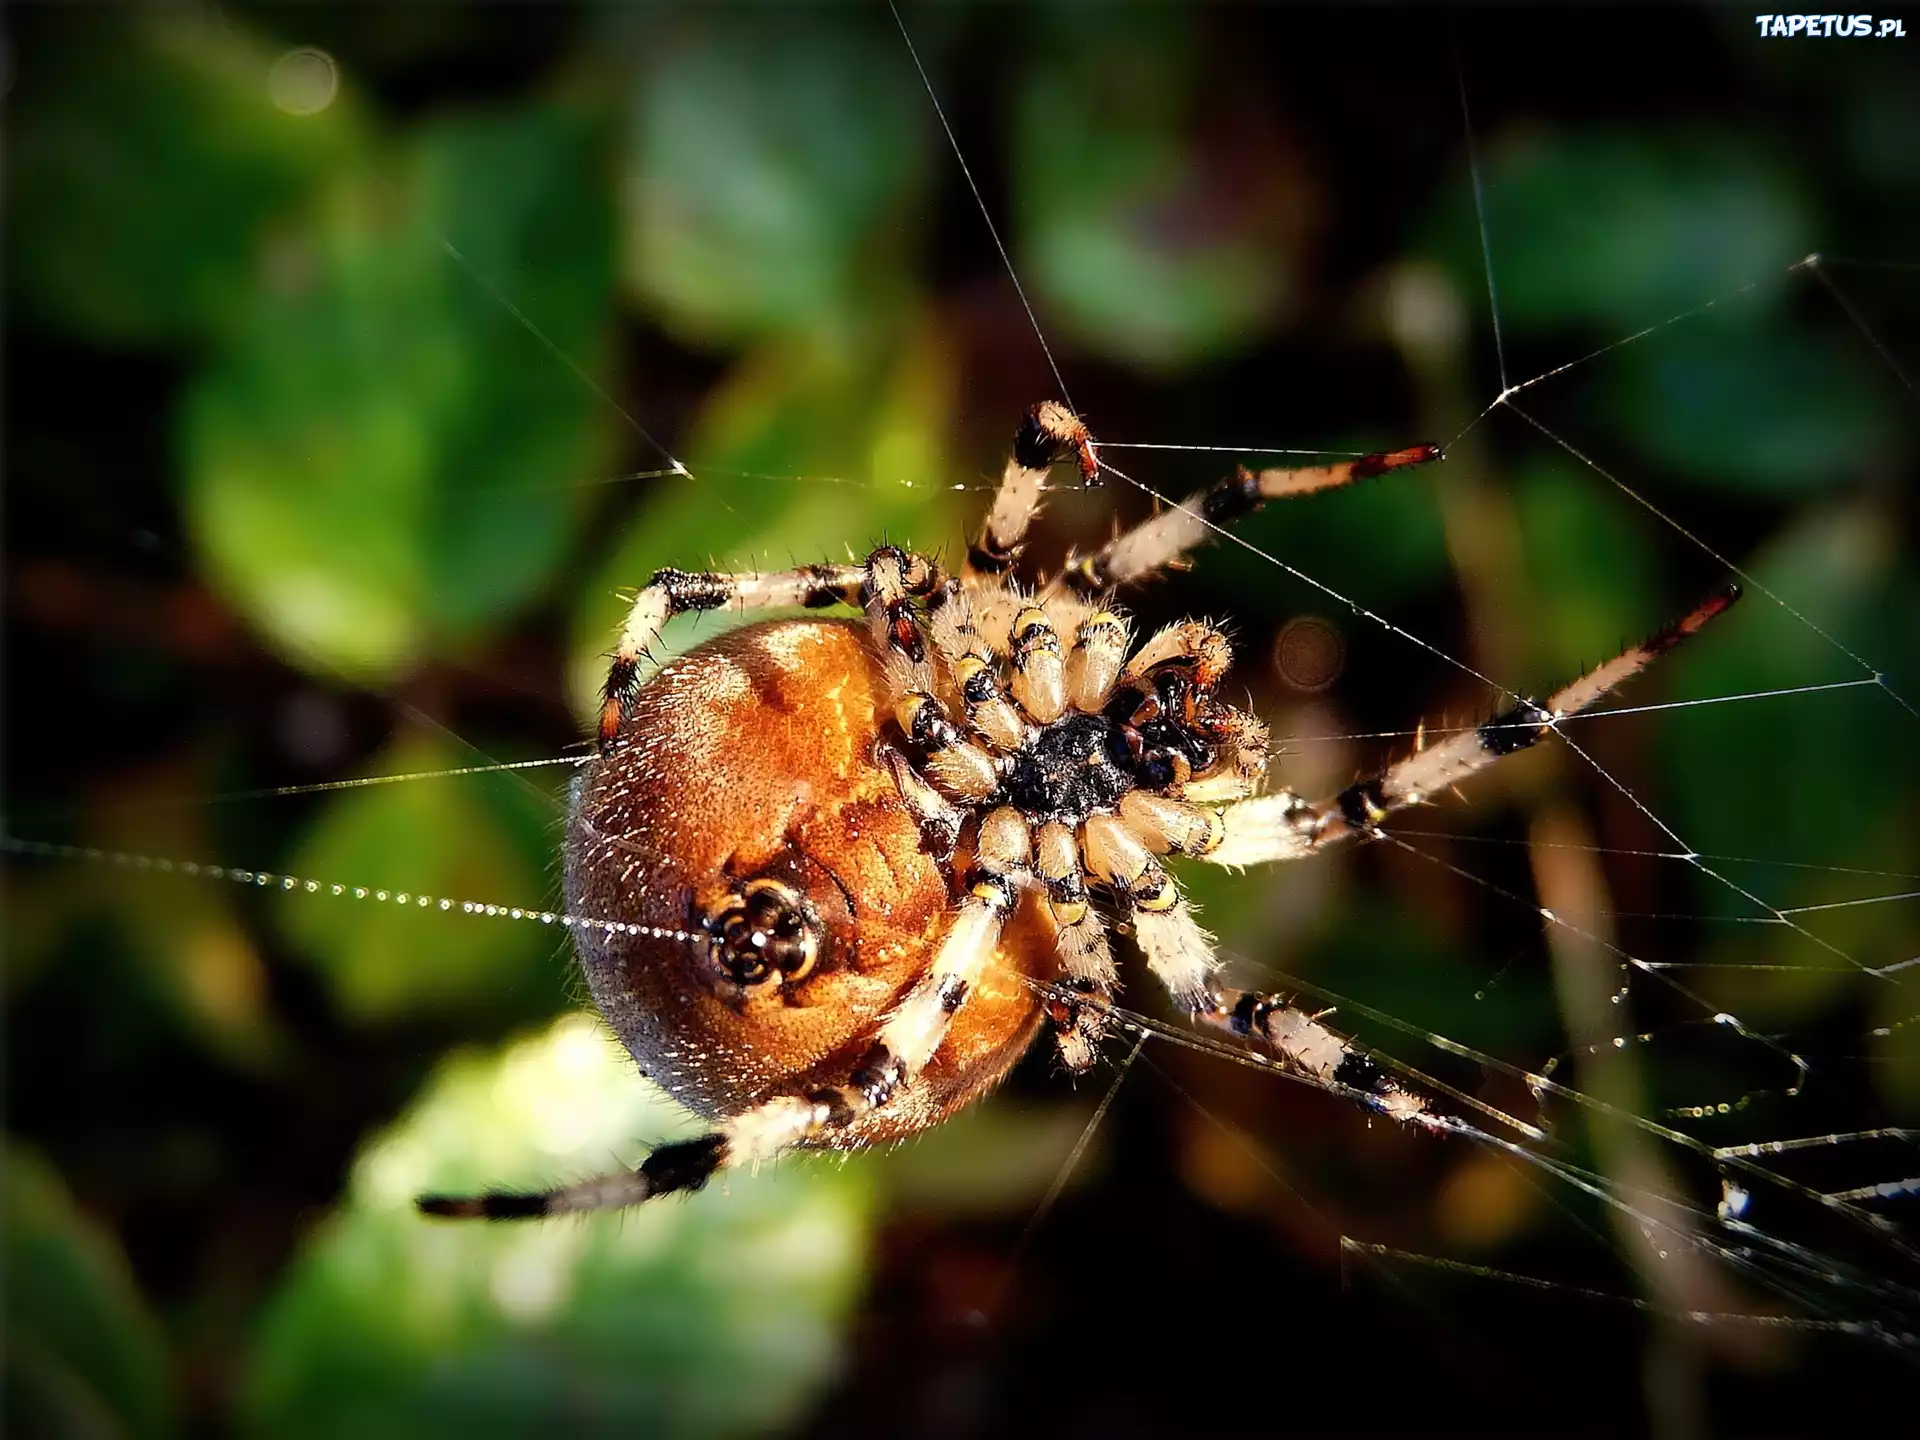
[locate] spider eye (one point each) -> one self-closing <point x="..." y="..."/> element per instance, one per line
<point x="766" y="933"/>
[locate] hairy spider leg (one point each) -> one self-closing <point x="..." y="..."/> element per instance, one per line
<point x="1048" y="434"/>
<point x="1182" y="957"/>
<point x="886" y="584"/>
<point x="675" y="592"/>
<point x="1163" y="538"/>
<point x="1282" y="826"/>
<point x="1315" y="1052"/>
<point x="908" y="1040"/>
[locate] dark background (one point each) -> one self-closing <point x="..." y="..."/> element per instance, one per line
<point x="330" y="435"/>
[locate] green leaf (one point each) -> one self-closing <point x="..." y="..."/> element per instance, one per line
<point x="717" y="1314"/>
<point x="83" y="1355"/>
<point x="1616" y="230"/>
<point x="810" y="451"/>
<point x="380" y="463"/>
<point x="1138" y="242"/>
<point x="478" y="838"/>
<point x="1817" y="780"/>
<point x="1589" y="568"/>
<point x="774" y="174"/>
<point x="1774" y="413"/>
<point x="150" y="166"/>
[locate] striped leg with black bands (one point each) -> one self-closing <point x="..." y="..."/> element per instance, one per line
<point x="908" y="1041"/>
<point x="1314" y="1051"/>
<point x="955" y="764"/>
<point x="1078" y="1008"/>
<point x="683" y="1165"/>
<point x="1157" y="542"/>
<point x="910" y="1036"/>
<point x="970" y="664"/>
<point x="1048" y="434"/>
<point x="675" y="592"/>
<point x="894" y="579"/>
<point x="1284" y="827"/>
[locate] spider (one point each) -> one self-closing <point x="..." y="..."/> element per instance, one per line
<point x="857" y="868"/>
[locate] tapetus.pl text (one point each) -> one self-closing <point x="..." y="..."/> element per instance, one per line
<point x="1830" y="27"/>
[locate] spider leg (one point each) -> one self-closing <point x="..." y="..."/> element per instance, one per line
<point x="1158" y="541"/>
<point x="893" y="579"/>
<point x="674" y="592"/>
<point x="1207" y="653"/>
<point x="969" y="661"/>
<point x="1078" y="1016"/>
<point x="1093" y="664"/>
<point x="1048" y="434"/>
<point x="1284" y="827"/>
<point x="939" y="818"/>
<point x="1039" y="666"/>
<point x="1316" y="1052"/>
<point x="1179" y="953"/>
<point x="908" y="1040"/>
<point x="1182" y="956"/>
<point x="960" y="766"/>
<point x="954" y="763"/>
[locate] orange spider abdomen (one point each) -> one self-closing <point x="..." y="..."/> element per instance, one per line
<point x="748" y="768"/>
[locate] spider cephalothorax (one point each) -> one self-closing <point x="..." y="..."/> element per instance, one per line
<point x="859" y="866"/>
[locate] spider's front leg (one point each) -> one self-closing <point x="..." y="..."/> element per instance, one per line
<point x="675" y="592"/>
<point x="1282" y="826"/>
<point x="907" y="1041"/>
<point x="1157" y="542"/>
<point x="1048" y="434"/>
<point x="887" y="584"/>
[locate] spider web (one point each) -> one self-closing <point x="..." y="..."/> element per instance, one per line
<point x="1774" y="1194"/>
<point x="1819" y="1292"/>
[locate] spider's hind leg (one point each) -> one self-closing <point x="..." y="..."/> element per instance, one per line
<point x="1182" y="955"/>
<point x="1315" y="1052"/>
<point x="683" y="1165"/>
<point x="907" y="1042"/>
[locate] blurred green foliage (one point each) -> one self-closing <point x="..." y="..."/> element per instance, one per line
<point x="445" y="839"/>
<point x="1626" y="228"/>
<point x="376" y="464"/>
<point x="775" y="173"/>
<point x="1136" y="241"/>
<point x="149" y="171"/>
<point x="83" y="1354"/>
<point x="417" y="428"/>
<point x="1843" y="567"/>
<point x="690" y="1319"/>
<point x="1750" y="415"/>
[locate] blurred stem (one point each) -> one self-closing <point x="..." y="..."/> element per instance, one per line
<point x="1427" y="318"/>
<point x="1590" y="987"/>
